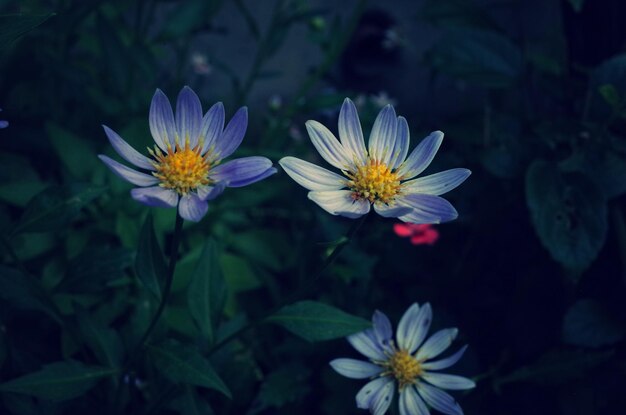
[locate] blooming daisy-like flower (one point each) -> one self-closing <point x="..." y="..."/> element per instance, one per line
<point x="381" y="175"/>
<point x="184" y="169"/>
<point x="405" y="363"/>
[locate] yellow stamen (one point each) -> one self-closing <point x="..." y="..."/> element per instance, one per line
<point x="181" y="168"/>
<point x="374" y="181"/>
<point x="404" y="367"/>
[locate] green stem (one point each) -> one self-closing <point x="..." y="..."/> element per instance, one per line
<point x="302" y="291"/>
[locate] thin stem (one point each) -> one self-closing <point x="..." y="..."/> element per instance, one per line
<point x="302" y="291"/>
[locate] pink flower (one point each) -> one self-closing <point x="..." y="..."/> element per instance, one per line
<point x="420" y="234"/>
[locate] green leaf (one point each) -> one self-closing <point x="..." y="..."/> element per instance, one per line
<point x="315" y="321"/>
<point x="588" y="323"/>
<point x="104" y="342"/>
<point x="610" y="95"/>
<point x="184" y="20"/>
<point x="13" y="26"/>
<point x="56" y="207"/>
<point x="94" y="268"/>
<point x="569" y="214"/>
<point x="75" y="153"/>
<point x="150" y="264"/>
<point x="190" y="403"/>
<point x="486" y="58"/>
<point x="206" y="294"/>
<point x="20" y="192"/>
<point x="24" y="291"/>
<point x="610" y="72"/>
<point x="58" y="381"/>
<point x="185" y="364"/>
<point x="283" y="386"/>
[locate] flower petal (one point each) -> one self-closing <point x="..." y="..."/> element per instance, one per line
<point x="438" y="183"/>
<point x="350" y="132"/>
<point x="391" y="210"/>
<point x="439" y="400"/>
<point x="427" y="209"/>
<point x="421" y="156"/>
<point x="192" y="208"/>
<point x="340" y="202"/>
<point x="128" y="174"/>
<point x="436" y="344"/>
<point x="231" y="137"/>
<point x="162" y="126"/>
<point x="210" y="192"/>
<point x="369" y="391"/>
<point x="451" y="382"/>
<point x="411" y="403"/>
<point x="383" y="136"/>
<point x="212" y="126"/>
<point x="311" y="176"/>
<point x="243" y="171"/>
<point x="355" y="369"/>
<point x="416" y="328"/>
<point x="382" y="328"/>
<point x="404" y="331"/>
<point x="327" y="145"/>
<point x="401" y="147"/>
<point x="366" y="343"/>
<point x="4" y="123"/>
<point x="382" y="400"/>
<point x="126" y="151"/>
<point x="188" y="116"/>
<point x="445" y="363"/>
<point x="155" y="196"/>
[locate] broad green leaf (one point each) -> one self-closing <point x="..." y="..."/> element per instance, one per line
<point x="588" y="323"/>
<point x="104" y="342"/>
<point x="20" y="192"/>
<point x="94" y="268"/>
<point x="56" y="207"/>
<point x="315" y="321"/>
<point x="24" y="291"/>
<point x="569" y="214"/>
<point x="486" y="58"/>
<point x="150" y="264"/>
<point x="13" y="26"/>
<point x="75" y="152"/>
<point x="206" y="295"/>
<point x="58" y="381"/>
<point x="190" y="403"/>
<point x="185" y="364"/>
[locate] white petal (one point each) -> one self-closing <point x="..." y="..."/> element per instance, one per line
<point x="311" y="176"/>
<point x="369" y="391"/>
<point x="436" y="344"/>
<point x="403" y="332"/>
<point x="418" y="328"/>
<point x="355" y="369"/>
<point x="328" y="146"/>
<point x="411" y="403"/>
<point x="383" y="135"/>
<point x="427" y="208"/>
<point x="382" y="328"/>
<point x="382" y="400"/>
<point x="421" y="156"/>
<point x="192" y="208"/>
<point x="438" y="183"/>
<point x="366" y="343"/>
<point x="452" y="382"/>
<point x="391" y="210"/>
<point x="439" y="400"/>
<point x="156" y="196"/>
<point x="401" y="147"/>
<point x="340" y="202"/>
<point x="445" y="363"/>
<point x="350" y="132"/>
<point x="210" y="192"/>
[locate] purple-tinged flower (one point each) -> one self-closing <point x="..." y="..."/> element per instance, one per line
<point x="184" y="167"/>
<point x="405" y="364"/>
<point x="3" y="123"/>
<point x="381" y="175"/>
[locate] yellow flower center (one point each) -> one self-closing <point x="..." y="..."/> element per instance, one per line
<point x="181" y="169"/>
<point x="404" y="367"/>
<point x="374" y="181"/>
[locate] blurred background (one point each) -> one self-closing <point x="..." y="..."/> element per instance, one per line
<point x="530" y="94"/>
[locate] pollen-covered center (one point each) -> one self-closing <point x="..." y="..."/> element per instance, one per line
<point x="404" y="367"/>
<point x="374" y="181"/>
<point x="181" y="169"/>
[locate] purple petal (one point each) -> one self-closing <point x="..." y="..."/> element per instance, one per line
<point x="367" y="344"/>
<point x="243" y="171"/>
<point x="212" y="126"/>
<point x="4" y="123"/>
<point x="128" y="174"/>
<point x="355" y="369"/>
<point x="429" y="208"/>
<point x="369" y="391"/>
<point x="162" y="126"/>
<point x="210" y="192"/>
<point x="439" y="400"/>
<point x="391" y="210"/>
<point x="436" y="344"/>
<point x="340" y="202"/>
<point x="155" y="196"/>
<point x="383" y="135"/>
<point x="188" y="116"/>
<point x="192" y="208"/>
<point x="382" y="328"/>
<point x="438" y="183"/>
<point x="382" y="400"/>
<point x="311" y="176"/>
<point x="444" y="363"/>
<point x="350" y="132"/>
<point x="231" y="137"/>
<point x="328" y="146"/>
<point x="421" y="156"/>
<point x="451" y="382"/>
<point x="411" y="403"/>
<point x="126" y="151"/>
